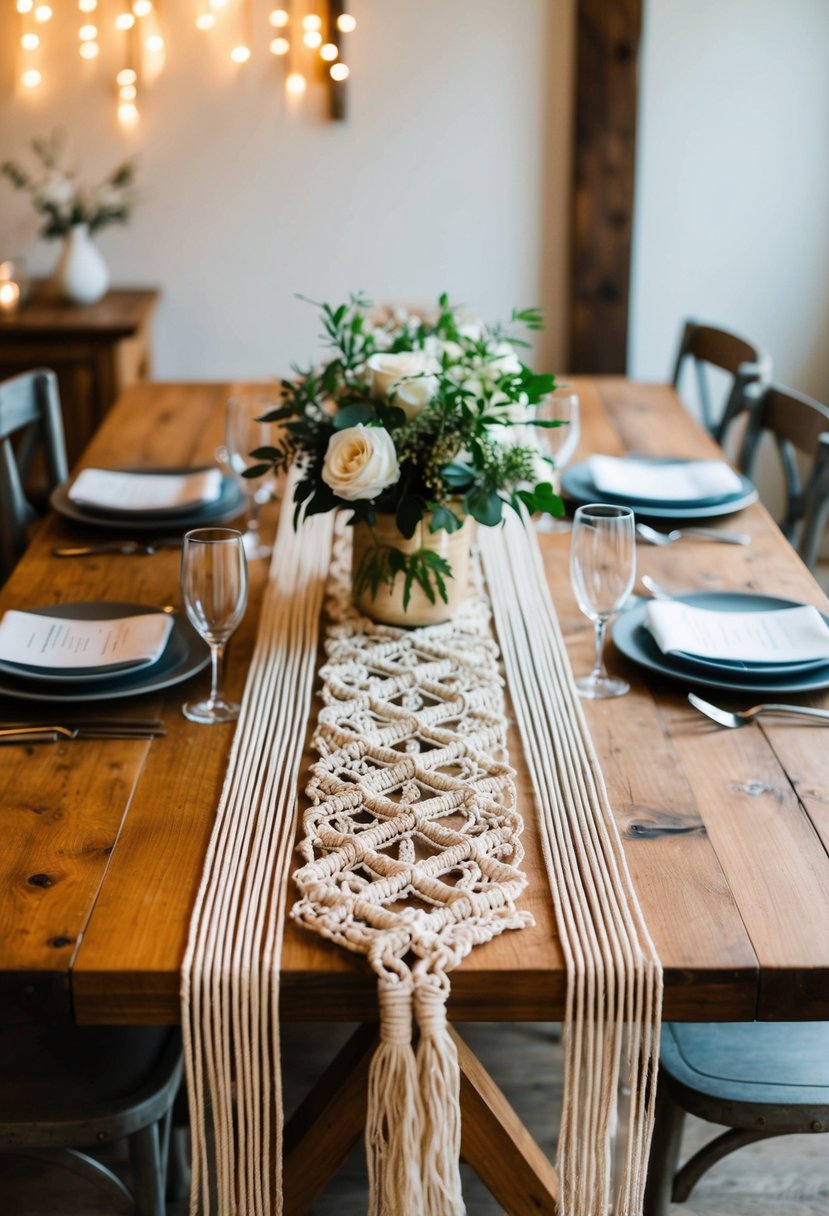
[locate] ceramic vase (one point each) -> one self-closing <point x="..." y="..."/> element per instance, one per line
<point x="386" y="607"/>
<point x="81" y="275"/>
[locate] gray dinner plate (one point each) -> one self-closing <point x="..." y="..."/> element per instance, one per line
<point x="576" y="484"/>
<point x="229" y="505"/>
<point x="632" y="637"/>
<point x="184" y="655"/>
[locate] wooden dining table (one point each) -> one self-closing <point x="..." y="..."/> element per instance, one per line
<point x="726" y="832"/>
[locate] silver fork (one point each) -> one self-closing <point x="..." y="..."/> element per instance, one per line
<point x="742" y="718"/>
<point x="653" y="537"/>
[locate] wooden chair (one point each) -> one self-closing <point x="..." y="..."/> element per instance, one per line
<point x="31" y="429"/>
<point x="68" y="1088"/>
<point x="745" y="363"/>
<point x="758" y="1079"/>
<point x="798" y="424"/>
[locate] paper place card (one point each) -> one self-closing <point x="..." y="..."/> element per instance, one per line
<point x="58" y="643"/>
<point x="785" y="635"/>
<point x="145" y="491"/>
<point x="663" y="481"/>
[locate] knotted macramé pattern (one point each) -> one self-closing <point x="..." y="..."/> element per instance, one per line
<point x="412" y="856"/>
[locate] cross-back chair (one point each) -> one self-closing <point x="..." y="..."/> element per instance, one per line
<point x="798" y="424"/>
<point x="747" y="364"/>
<point x="31" y="428"/>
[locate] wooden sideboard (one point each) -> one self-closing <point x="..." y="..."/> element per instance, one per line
<point x="97" y="351"/>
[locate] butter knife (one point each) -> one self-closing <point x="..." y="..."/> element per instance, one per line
<point x="127" y="548"/>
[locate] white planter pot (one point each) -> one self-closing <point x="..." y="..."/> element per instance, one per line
<point x="81" y="275"/>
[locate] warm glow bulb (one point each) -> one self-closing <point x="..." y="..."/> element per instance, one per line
<point x="312" y="22"/>
<point x="125" y="21"/>
<point x="128" y="113"/>
<point x="154" y="44"/>
<point x="278" y="18"/>
<point x="312" y="38"/>
<point x="339" y="71"/>
<point x="87" y="6"/>
<point x="43" y="13"/>
<point x="205" y="21"/>
<point x="25" y="6"/>
<point x="31" y="78"/>
<point x="329" y="52"/>
<point x="126" y="76"/>
<point x="295" y="82"/>
<point x="89" y="50"/>
<point x="240" y="54"/>
<point x="218" y="3"/>
<point x="346" y="23"/>
<point x="128" y="92"/>
<point x="142" y="8"/>
<point x="279" y="46"/>
<point x="30" y="42"/>
<point x="88" y="33"/>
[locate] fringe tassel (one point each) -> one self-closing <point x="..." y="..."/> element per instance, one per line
<point x="439" y="1079"/>
<point x="395" y="1116"/>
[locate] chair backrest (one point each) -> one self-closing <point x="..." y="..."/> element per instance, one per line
<point x="798" y="424"/>
<point x="30" y="427"/>
<point x="744" y="362"/>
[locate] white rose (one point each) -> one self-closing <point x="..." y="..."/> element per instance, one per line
<point x="387" y="369"/>
<point x="360" y="462"/>
<point x="506" y="362"/>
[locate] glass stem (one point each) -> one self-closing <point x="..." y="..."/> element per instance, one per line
<point x="598" y="672"/>
<point x="217" y="659"/>
<point x="253" y="515"/>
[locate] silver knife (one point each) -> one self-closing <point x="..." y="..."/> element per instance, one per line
<point x="127" y="548"/>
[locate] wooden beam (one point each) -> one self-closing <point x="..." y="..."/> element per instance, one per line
<point x="607" y="48"/>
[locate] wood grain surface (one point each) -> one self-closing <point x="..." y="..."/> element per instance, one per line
<point x="726" y="833"/>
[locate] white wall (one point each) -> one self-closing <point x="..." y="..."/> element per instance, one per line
<point x="452" y="172"/>
<point x="732" y="182"/>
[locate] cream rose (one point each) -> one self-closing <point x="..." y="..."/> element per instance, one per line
<point x="387" y="369"/>
<point x="360" y="462"/>
<point x="413" y="395"/>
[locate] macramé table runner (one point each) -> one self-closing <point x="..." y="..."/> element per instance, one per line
<point x="411" y="856"/>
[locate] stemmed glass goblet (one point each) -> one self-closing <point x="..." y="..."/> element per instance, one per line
<point x="244" y="433"/>
<point x="602" y="570"/>
<point x="559" y="443"/>
<point x="214" y="587"/>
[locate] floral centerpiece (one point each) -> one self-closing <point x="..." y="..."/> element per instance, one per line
<point x="416" y="425"/>
<point x="62" y="201"/>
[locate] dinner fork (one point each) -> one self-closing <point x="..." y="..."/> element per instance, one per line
<point x="52" y="733"/>
<point x="653" y="537"/>
<point x="742" y="718"/>
<point x="126" y="548"/>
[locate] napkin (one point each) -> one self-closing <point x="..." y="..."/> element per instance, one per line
<point x="59" y="643"/>
<point x="784" y="635"/>
<point x="663" y="481"/>
<point x="145" y="491"/>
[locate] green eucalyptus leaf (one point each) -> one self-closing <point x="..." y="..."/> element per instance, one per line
<point x="353" y="415"/>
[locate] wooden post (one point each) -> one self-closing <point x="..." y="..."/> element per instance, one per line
<point x="337" y="89"/>
<point x="607" y="43"/>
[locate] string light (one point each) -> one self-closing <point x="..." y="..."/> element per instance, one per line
<point x="279" y="46"/>
<point x="295" y="83"/>
<point x="87" y="6"/>
<point x="205" y="21"/>
<point x="25" y="6"/>
<point x="88" y="33"/>
<point x="89" y="50"/>
<point x="312" y="22"/>
<point x="278" y="18"/>
<point x="128" y="92"/>
<point x="30" y="42"/>
<point x="125" y="21"/>
<point x="240" y="54"/>
<point x="346" y="23"/>
<point x="128" y="113"/>
<point x="154" y="44"/>
<point x="339" y="72"/>
<point x="312" y="39"/>
<point x="126" y="76"/>
<point x="43" y="13"/>
<point x="31" y="78"/>
<point x="329" y="51"/>
<point x="142" y="8"/>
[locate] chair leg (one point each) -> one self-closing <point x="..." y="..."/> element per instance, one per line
<point x="145" y="1159"/>
<point x="711" y="1153"/>
<point x="664" y="1155"/>
<point x="178" y="1159"/>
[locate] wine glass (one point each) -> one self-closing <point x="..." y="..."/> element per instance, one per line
<point x="214" y="587"/>
<point x="558" y="442"/>
<point x="602" y="570"/>
<point x="244" y="433"/>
